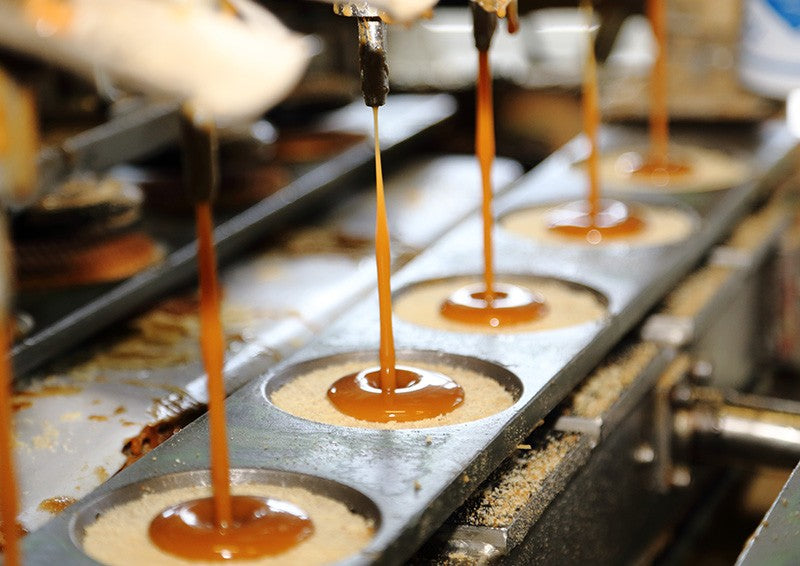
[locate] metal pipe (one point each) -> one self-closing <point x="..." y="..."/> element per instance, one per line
<point x="714" y="427"/>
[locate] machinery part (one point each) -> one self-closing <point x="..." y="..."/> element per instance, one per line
<point x="710" y="426"/>
<point x="200" y="156"/>
<point x="372" y="61"/>
<point x="483" y="26"/>
<point x="371" y="51"/>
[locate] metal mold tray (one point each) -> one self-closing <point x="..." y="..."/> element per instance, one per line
<point x="418" y="477"/>
<point x="83" y="312"/>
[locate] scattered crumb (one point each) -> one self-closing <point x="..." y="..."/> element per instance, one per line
<point x="517" y="484"/>
<point x="48" y="437"/>
<point x="101" y="474"/>
<point x="428" y="440"/>
<point x="465" y="478"/>
<point x="119" y="410"/>
<point x="98" y="418"/>
<point x="523" y="446"/>
<point x="695" y="291"/>
<point x="417" y="485"/>
<point x="754" y="229"/>
<point x="605" y="385"/>
<point x="70" y="417"/>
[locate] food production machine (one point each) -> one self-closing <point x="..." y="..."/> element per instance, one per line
<point x="631" y="433"/>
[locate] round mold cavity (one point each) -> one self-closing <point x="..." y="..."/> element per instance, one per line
<point x="713" y="170"/>
<point x="92" y="509"/>
<point x="567" y="303"/>
<point x="666" y="223"/>
<point x="508" y="381"/>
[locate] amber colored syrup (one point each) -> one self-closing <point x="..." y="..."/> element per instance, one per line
<point x="8" y="486"/>
<point x="391" y="392"/>
<point x="658" y="165"/>
<point x="222" y="526"/>
<point x="491" y="304"/>
<point x="485" y="151"/>
<point x="593" y="220"/>
<point x="512" y="17"/>
<point x="420" y="394"/>
<point x="57" y="504"/>
<point x="259" y="526"/>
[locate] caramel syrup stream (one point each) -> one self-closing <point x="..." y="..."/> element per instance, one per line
<point x="212" y="344"/>
<point x="383" y="260"/>
<point x="591" y="117"/>
<point x="659" y="117"/>
<point x="8" y="486"/>
<point x="485" y="151"/>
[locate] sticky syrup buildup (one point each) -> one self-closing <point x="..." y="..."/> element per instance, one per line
<point x="613" y="219"/>
<point x="259" y="526"/>
<point x="505" y="306"/>
<point x="418" y="394"/>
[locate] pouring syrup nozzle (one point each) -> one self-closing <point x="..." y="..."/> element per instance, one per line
<point x="484" y="23"/>
<point x="372" y="61"/>
<point x="371" y="50"/>
<point x="200" y="155"/>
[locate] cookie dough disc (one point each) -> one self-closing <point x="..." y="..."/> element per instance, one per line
<point x="120" y="537"/>
<point x="306" y="396"/>
<point x="567" y="305"/>
<point x="711" y="170"/>
<point x="663" y="225"/>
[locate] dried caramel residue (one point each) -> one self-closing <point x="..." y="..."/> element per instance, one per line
<point x="101" y="474"/>
<point x="57" y="504"/>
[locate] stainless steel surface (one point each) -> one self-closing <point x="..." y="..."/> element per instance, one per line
<point x="131" y="135"/>
<point x="405" y="118"/>
<point x="775" y="539"/>
<point x="447" y="463"/>
<point x="275" y="299"/>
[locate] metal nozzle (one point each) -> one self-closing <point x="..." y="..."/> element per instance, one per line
<point x="372" y="61"/>
<point x="200" y="156"/>
<point x="357" y="9"/>
<point x="371" y="50"/>
<point x="483" y="25"/>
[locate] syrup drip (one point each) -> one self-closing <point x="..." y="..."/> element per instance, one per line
<point x="8" y="485"/>
<point x="658" y="165"/>
<point x="259" y="526"/>
<point x="512" y="17"/>
<point x="391" y="392"/>
<point x="593" y="219"/>
<point x="222" y="527"/>
<point x="491" y="304"/>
